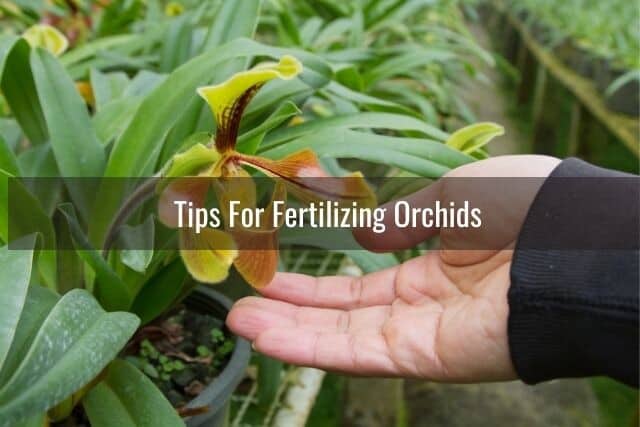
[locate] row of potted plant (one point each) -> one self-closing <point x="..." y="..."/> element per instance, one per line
<point x="598" y="40"/>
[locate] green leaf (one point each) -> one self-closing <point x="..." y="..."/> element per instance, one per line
<point x="161" y="291"/>
<point x="139" y="240"/>
<point x="70" y="267"/>
<point x="109" y="288"/>
<point x="398" y="11"/>
<point x="127" y="398"/>
<point x="401" y="64"/>
<point x="74" y="344"/>
<point x="233" y="20"/>
<point x="352" y="121"/>
<point x="427" y="158"/>
<point x="280" y="115"/>
<point x="6" y="44"/>
<point x="36" y="421"/>
<point x="350" y="77"/>
<point x="372" y="102"/>
<point x="37" y="306"/>
<point x="309" y="30"/>
<point x="39" y="162"/>
<point x="471" y="138"/>
<point x="269" y="379"/>
<point x="332" y="33"/>
<point x="76" y="147"/>
<point x="143" y="83"/>
<point x="288" y="27"/>
<point x="10" y="131"/>
<point x="407" y="95"/>
<point x="14" y="282"/>
<point x="24" y="215"/>
<point x="8" y="160"/>
<point x="90" y="49"/>
<point x="113" y="118"/>
<point x="107" y="87"/>
<point x="18" y="87"/>
<point x="176" y="46"/>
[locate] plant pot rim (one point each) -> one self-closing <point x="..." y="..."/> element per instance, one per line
<point x="217" y="393"/>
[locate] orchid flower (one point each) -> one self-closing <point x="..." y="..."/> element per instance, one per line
<point x="173" y="8"/>
<point x="220" y="160"/>
<point x="46" y="37"/>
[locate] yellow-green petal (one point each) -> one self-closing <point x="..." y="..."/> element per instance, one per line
<point x="228" y="99"/>
<point x="474" y="137"/>
<point x="173" y="9"/>
<point x="223" y="95"/>
<point x="209" y="255"/>
<point x="46" y="37"/>
<point x="191" y="161"/>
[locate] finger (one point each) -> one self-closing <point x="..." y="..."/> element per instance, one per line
<point x="341" y="292"/>
<point x="251" y="316"/>
<point x="394" y="237"/>
<point x="360" y="354"/>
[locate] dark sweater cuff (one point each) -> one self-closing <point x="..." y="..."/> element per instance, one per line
<point x="573" y="300"/>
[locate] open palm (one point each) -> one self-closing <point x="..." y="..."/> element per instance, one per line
<point x="414" y="320"/>
<point x="441" y="316"/>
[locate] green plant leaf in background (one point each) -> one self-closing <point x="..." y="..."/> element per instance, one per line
<point x="234" y="19"/>
<point x="76" y="147"/>
<point x="74" y="343"/>
<point x="249" y="141"/>
<point x="37" y="307"/>
<point x="423" y="157"/>
<point x="161" y="291"/>
<point x="269" y="380"/>
<point x="139" y="243"/>
<point x="474" y="137"/>
<point x="14" y="282"/>
<point x="39" y="162"/>
<point x="108" y="287"/>
<point x="14" y="224"/>
<point x="18" y="88"/>
<point x="13" y="190"/>
<point x="8" y="160"/>
<point x="127" y="398"/>
<point x="176" y="45"/>
<point x="353" y="121"/>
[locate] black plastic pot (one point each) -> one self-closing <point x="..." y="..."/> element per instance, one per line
<point x="541" y="32"/>
<point x="626" y="99"/>
<point x="563" y="50"/>
<point x="582" y="62"/>
<point x="602" y="74"/>
<point x="523" y="15"/>
<point x="216" y="396"/>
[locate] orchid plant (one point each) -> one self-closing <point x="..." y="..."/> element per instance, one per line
<point x="221" y="162"/>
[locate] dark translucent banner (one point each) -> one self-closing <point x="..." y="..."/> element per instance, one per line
<point x="330" y="213"/>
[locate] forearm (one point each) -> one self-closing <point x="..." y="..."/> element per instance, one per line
<point x="573" y="298"/>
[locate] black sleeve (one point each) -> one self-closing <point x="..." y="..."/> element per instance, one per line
<point x="573" y="300"/>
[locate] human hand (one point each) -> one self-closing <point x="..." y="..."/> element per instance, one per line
<point x="441" y="316"/>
